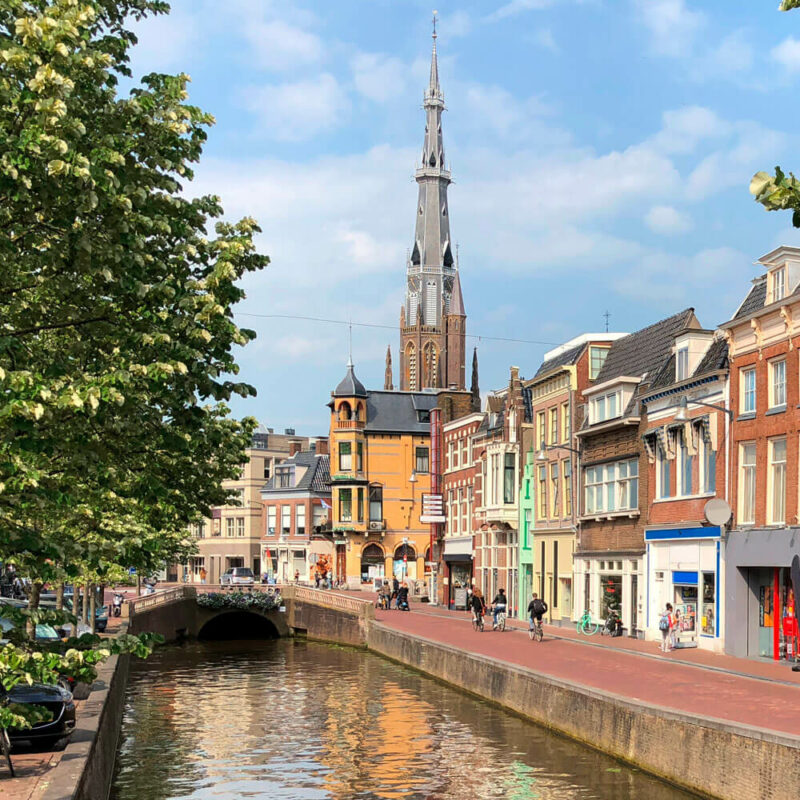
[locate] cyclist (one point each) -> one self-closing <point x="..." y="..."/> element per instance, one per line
<point x="477" y="605"/>
<point x="537" y="608"/>
<point x="500" y="602"/>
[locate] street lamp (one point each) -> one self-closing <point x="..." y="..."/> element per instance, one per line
<point x="682" y="416"/>
<point x="541" y="456"/>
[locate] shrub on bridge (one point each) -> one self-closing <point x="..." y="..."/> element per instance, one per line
<point x="243" y="601"/>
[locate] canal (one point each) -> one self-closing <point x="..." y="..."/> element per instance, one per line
<point x="296" y="720"/>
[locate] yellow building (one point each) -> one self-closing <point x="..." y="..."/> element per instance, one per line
<point x="380" y="463"/>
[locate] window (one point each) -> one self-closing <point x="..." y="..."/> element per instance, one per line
<point x="508" y="478"/>
<point x="565" y="426"/>
<point x="496" y="479"/>
<point x="605" y="407"/>
<point x="229" y="526"/>
<point x="345" y="505"/>
<point x="778" y="284"/>
<point x="541" y="495"/>
<point x="597" y="357"/>
<point x="360" y="504"/>
<point x="663" y="474"/>
<point x="748" y="391"/>
<point x="682" y="364"/>
<point x="345" y="456"/>
<point x="286" y="520"/>
<point x="777" y="482"/>
<point x="271" y="514"/>
<point x="567" y="488"/>
<point x="464" y="457"/>
<point x="777" y="383"/>
<point x="747" y="495"/>
<point x="375" y="503"/>
<point x="462" y="494"/>
<point x="612" y="487"/>
<point x="284" y="478"/>
<point x="709" y="477"/>
<point x="541" y="428"/>
<point x="267" y="469"/>
<point x="300" y="520"/>
<point x="687" y="465"/>
<point x="240" y="526"/>
<point x="554" y="498"/>
<point x="553" y="426"/>
<point x="359" y="456"/>
<point x="422" y="460"/>
<point x="456" y="461"/>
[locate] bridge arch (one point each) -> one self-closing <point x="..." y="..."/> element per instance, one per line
<point x="238" y="624"/>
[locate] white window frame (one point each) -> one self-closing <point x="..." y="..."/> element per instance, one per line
<point x="300" y="519"/>
<point x="663" y="462"/>
<point x="777" y="389"/>
<point x="776" y="483"/>
<point x="272" y="520"/>
<point x="683" y="457"/>
<point x="286" y="517"/>
<point x="600" y="407"/>
<point x="747" y="480"/>
<point x="705" y="485"/>
<point x="614" y="481"/>
<point x="230" y="524"/>
<point x="778" y="284"/>
<point x="748" y="393"/>
<point x="682" y="364"/>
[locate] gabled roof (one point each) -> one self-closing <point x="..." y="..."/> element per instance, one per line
<point x="562" y="359"/>
<point x="316" y="479"/>
<point x="399" y="412"/>
<point x="755" y="299"/>
<point x="643" y="353"/>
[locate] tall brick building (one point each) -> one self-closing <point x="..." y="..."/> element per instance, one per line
<point x="433" y="320"/>
<point x="765" y="381"/>
<point x="610" y="548"/>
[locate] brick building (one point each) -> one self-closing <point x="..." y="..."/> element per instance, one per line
<point x="608" y="565"/>
<point x="764" y="381"/>
<point x="553" y="412"/>
<point x="685" y="428"/>
<point x="296" y="501"/>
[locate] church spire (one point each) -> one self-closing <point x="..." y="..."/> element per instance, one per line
<point x="387" y="378"/>
<point x="475" y="391"/>
<point x="433" y="86"/>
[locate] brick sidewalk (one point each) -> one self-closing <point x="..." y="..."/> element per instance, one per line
<point x="752" y="693"/>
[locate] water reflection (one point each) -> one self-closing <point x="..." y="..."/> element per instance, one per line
<point x="285" y="721"/>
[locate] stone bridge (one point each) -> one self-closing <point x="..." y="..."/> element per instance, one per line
<point x="318" y="614"/>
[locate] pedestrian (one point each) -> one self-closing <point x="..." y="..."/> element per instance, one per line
<point x="203" y="574"/>
<point x="665" y="626"/>
<point x="297" y="576"/>
<point x="675" y="629"/>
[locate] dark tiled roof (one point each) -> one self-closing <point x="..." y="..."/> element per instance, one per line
<point x="317" y="476"/>
<point x="716" y="357"/>
<point x="755" y="299"/>
<point x="350" y="386"/>
<point x="562" y="359"/>
<point x="527" y="400"/>
<point x="399" y="412"/>
<point x="643" y="353"/>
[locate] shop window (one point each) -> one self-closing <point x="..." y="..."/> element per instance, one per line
<point x="747" y="481"/>
<point x="610" y="594"/>
<point x="707" y="612"/>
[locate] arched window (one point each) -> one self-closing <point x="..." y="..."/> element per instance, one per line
<point x="411" y="367"/>
<point x="431" y="302"/>
<point x="405" y="562"/>
<point x="344" y="410"/>
<point x="359" y="412"/>
<point x="372" y="563"/>
<point x="430" y="359"/>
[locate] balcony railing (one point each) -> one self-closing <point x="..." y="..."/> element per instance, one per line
<point x="349" y="424"/>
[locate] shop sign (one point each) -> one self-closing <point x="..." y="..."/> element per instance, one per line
<point x="432" y="508"/>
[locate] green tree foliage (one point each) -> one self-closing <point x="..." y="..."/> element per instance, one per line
<point x="116" y="329"/>
<point x="778" y="192"/>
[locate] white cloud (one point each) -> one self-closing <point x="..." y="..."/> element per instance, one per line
<point x="379" y="77"/>
<point x="672" y="25"/>
<point x="166" y="41"/>
<point x="517" y="7"/>
<point x="734" y="54"/>
<point x="685" y="128"/>
<point x="300" y="110"/>
<point x="787" y="54"/>
<point x="544" y="38"/>
<point x="459" y="23"/>
<point x="667" y="220"/>
<point x="278" y="45"/>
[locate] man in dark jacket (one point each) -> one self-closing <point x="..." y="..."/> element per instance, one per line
<point x="537" y="608"/>
<point x="500" y="603"/>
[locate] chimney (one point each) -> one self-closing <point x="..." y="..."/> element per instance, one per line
<point x="295" y="446"/>
<point x="322" y="447"/>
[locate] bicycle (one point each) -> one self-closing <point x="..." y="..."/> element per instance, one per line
<point x="500" y="625"/>
<point x="535" y="630"/>
<point x="586" y="626"/>
<point x="477" y="622"/>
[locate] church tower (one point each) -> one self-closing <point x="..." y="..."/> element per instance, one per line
<point x="433" y="320"/>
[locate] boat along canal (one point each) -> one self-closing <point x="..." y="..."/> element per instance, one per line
<point x="292" y="719"/>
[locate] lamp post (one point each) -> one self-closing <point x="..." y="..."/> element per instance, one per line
<point x="412" y="480"/>
<point x="541" y="456"/>
<point x="682" y="416"/>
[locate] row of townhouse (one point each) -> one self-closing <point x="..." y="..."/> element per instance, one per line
<point x="639" y="469"/>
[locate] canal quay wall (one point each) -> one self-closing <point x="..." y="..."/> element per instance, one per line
<point x="713" y="758"/>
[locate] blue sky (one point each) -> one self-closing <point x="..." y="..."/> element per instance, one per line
<point x="601" y="152"/>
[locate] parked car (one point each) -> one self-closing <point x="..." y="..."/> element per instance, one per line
<point x="100" y="613"/>
<point x="57" y="700"/>
<point x="238" y="576"/>
<point x="44" y="633"/>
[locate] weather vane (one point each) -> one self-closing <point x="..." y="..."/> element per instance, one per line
<point x="435" y="12"/>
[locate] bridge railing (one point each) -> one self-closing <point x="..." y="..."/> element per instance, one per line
<point x="159" y="598"/>
<point x="328" y="599"/>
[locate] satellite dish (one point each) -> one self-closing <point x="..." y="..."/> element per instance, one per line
<point x="717" y="512"/>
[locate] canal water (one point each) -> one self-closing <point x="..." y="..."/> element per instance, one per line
<point x="289" y="720"/>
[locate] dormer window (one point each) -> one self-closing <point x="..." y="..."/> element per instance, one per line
<point x="778" y="284"/>
<point x="283" y="478"/>
<point x="605" y="407"/>
<point x="682" y="364"/>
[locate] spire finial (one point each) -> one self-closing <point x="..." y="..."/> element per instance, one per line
<point x="435" y="12"/>
<point x="433" y="86"/>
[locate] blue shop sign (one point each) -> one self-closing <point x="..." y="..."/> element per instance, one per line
<point x="664" y="534"/>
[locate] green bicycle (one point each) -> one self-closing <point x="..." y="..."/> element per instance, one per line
<point x="586" y="626"/>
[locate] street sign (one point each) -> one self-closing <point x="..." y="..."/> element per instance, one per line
<point x="432" y="508"/>
<point x="132" y="571"/>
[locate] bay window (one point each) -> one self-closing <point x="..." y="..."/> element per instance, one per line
<point x="345" y="456"/>
<point x="345" y="505"/>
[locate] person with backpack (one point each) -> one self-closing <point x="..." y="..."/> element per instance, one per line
<point x="537" y="608"/>
<point x="665" y="626"/>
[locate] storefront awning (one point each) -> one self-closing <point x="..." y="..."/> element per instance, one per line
<point x="457" y="546"/>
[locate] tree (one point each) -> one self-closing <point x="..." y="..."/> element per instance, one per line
<point x="116" y="329"/>
<point x="778" y="192"/>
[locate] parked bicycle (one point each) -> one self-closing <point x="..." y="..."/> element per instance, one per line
<point x="535" y="630"/>
<point x="586" y="625"/>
